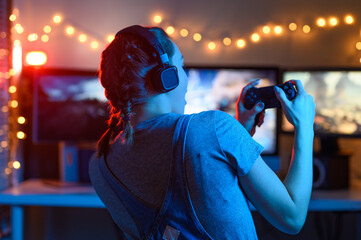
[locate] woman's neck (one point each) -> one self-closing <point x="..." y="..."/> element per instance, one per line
<point x="154" y="107"/>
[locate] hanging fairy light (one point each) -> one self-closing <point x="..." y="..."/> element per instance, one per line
<point x="57" y="19"/>
<point x="110" y="38"/>
<point x="227" y="41"/>
<point x="211" y="46"/>
<point x="333" y="21"/>
<point x="157" y="19"/>
<point x="306" y="29"/>
<point x="255" y="37"/>
<point x="321" y="22"/>
<point x="47" y="29"/>
<point x="241" y="43"/>
<point x="292" y="26"/>
<point x="278" y="30"/>
<point x="349" y="19"/>
<point x="266" y="30"/>
<point x="197" y="37"/>
<point x="184" y="32"/>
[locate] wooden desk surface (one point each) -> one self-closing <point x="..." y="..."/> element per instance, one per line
<point x="39" y="193"/>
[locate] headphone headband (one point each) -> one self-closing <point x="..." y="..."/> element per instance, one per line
<point x="164" y="77"/>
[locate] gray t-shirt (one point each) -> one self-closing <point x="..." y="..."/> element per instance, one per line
<point x="218" y="150"/>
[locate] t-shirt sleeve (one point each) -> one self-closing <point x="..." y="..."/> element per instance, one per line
<point x="239" y="148"/>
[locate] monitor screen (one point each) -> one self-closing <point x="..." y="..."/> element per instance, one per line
<point x="68" y="106"/>
<point x="211" y="88"/>
<point x="337" y="94"/>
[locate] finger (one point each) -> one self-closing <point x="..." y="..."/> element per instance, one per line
<point x="281" y="96"/>
<point x="258" y="107"/>
<point x="249" y="86"/>
<point x="299" y="86"/>
<point x="261" y="118"/>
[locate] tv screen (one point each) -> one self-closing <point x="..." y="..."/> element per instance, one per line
<point x="337" y="94"/>
<point x="214" y="88"/>
<point x="68" y="106"/>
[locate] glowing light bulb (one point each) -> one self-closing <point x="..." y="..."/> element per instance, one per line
<point x="333" y="21"/>
<point x="110" y="38"/>
<point x="12" y="89"/>
<point x="7" y="171"/>
<point x="4" y="144"/>
<point x="36" y="58"/>
<point x="70" y="30"/>
<point x="170" y="30"/>
<point x="14" y="104"/>
<point x="12" y="17"/>
<point x="349" y="19"/>
<point x="12" y="72"/>
<point x="18" y="28"/>
<point x="57" y="19"/>
<point x="255" y="37"/>
<point x="16" y="165"/>
<point x="321" y="22"/>
<point x="21" y="120"/>
<point x="211" y="46"/>
<point x="82" y="38"/>
<point x="32" y="37"/>
<point x="197" y="37"/>
<point x="94" y="44"/>
<point x="45" y="38"/>
<point x="306" y="29"/>
<point x="47" y="29"/>
<point x="278" y="30"/>
<point x="184" y="32"/>
<point x="5" y="109"/>
<point x="157" y="19"/>
<point x="20" y="135"/>
<point x="266" y="29"/>
<point x="227" y="41"/>
<point x="358" y="45"/>
<point x="241" y="43"/>
<point x="292" y="26"/>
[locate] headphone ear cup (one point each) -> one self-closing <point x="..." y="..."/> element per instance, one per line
<point x="165" y="78"/>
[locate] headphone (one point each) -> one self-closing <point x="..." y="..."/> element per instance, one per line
<point x="164" y="76"/>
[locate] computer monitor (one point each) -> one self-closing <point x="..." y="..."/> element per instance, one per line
<point x="218" y="88"/>
<point x="337" y="94"/>
<point x="69" y="105"/>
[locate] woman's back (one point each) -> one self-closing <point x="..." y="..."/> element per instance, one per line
<point x="217" y="149"/>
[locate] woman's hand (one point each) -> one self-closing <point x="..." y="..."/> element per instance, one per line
<point x="248" y="117"/>
<point x="301" y="111"/>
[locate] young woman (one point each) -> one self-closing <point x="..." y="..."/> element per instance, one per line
<point x="165" y="175"/>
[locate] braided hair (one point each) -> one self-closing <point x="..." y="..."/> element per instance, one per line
<point x="124" y="67"/>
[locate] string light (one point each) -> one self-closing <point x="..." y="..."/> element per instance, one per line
<point x="44" y="38"/>
<point x="358" y="45"/>
<point x="266" y="29"/>
<point x="7" y="171"/>
<point x="14" y="104"/>
<point x="197" y="37"/>
<point x="278" y="30"/>
<point x="32" y="37"/>
<point x="94" y="44"/>
<point x="82" y="38"/>
<point x="4" y="144"/>
<point x="321" y="22"/>
<point x="349" y="19"/>
<point x="306" y="29"/>
<point x="255" y="37"/>
<point x="211" y="46"/>
<point x="184" y="32"/>
<point x="292" y="26"/>
<point x="16" y="165"/>
<point x="110" y="38"/>
<point x="333" y="21"/>
<point x="170" y="30"/>
<point x="70" y="30"/>
<point x="4" y="109"/>
<point x="21" y="120"/>
<point x="20" y="135"/>
<point x="12" y="89"/>
<point x="18" y="28"/>
<point x="12" y="17"/>
<point x="157" y="19"/>
<point x="241" y="43"/>
<point x="57" y="19"/>
<point x="227" y="41"/>
<point x="47" y="29"/>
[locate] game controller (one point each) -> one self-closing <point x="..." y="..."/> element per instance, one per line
<point x="268" y="96"/>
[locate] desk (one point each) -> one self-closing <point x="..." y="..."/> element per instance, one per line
<point x="37" y="193"/>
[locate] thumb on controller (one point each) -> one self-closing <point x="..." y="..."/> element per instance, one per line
<point x="257" y="108"/>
